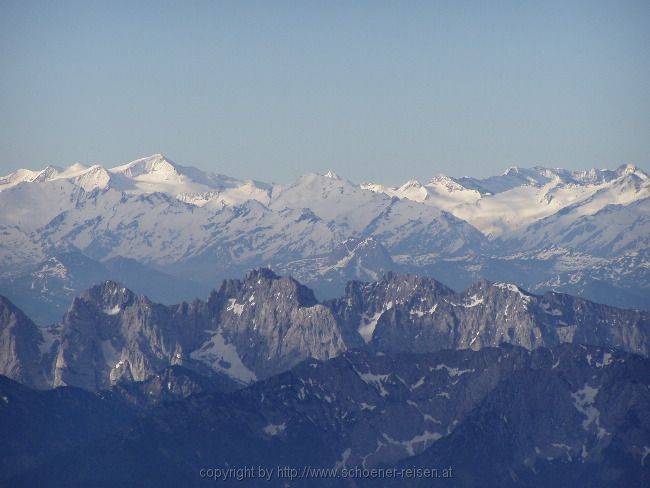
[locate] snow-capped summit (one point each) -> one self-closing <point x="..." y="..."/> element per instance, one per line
<point x="630" y="169"/>
<point x="76" y="168"/>
<point x="156" y="167"/>
<point x="157" y="173"/>
<point x="411" y="184"/>
<point x="93" y="177"/>
<point x="332" y="200"/>
<point x="331" y="174"/>
<point x="508" y="203"/>
<point x="513" y="177"/>
<point x="444" y="181"/>
<point x="511" y="171"/>
<point x="87" y="177"/>
<point x="151" y="174"/>
<point x="413" y="190"/>
<point x="18" y="176"/>
<point x="49" y="173"/>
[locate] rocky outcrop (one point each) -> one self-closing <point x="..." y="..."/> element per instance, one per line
<point x="21" y="357"/>
<point x="247" y="330"/>
<point x="577" y="418"/>
<point x="274" y="322"/>
<point x="109" y="335"/>
<point x="411" y="314"/>
<point x="264" y="324"/>
<point x="173" y="383"/>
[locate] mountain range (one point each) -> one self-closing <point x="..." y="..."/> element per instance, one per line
<point x="401" y="373"/>
<point x="173" y="232"/>
<point x="262" y="325"/>
<point x="494" y="384"/>
<point x="565" y="416"/>
<point x="491" y="332"/>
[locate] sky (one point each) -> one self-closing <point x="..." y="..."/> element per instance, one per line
<point x="373" y="90"/>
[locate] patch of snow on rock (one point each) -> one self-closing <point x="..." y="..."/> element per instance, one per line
<point x="275" y="429"/>
<point x="223" y="357"/>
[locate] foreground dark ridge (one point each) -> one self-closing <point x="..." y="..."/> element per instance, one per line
<point x="264" y="324"/>
<point x="567" y="416"/>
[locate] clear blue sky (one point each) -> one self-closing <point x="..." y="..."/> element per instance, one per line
<point x="374" y="90"/>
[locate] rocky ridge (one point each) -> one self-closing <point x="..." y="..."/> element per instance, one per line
<point x="502" y="416"/>
<point x="264" y="324"/>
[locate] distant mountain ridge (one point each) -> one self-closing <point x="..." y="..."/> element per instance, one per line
<point x="507" y="204"/>
<point x="544" y="229"/>
<point x="552" y="188"/>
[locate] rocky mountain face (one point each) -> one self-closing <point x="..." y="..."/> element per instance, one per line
<point x="262" y="325"/>
<point x="583" y="427"/>
<point x="248" y="329"/>
<point x="21" y="341"/>
<point x="541" y="228"/>
<point x="410" y="313"/>
<point x="272" y="323"/>
<point x="171" y="384"/>
<point x="110" y="334"/>
<point x="502" y="416"/>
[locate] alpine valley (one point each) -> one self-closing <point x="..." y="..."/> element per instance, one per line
<point x="161" y="326"/>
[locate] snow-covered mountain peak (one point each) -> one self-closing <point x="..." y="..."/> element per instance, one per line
<point x="93" y="177"/>
<point x="549" y="173"/>
<point x="630" y="169"/>
<point x="151" y="174"/>
<point x="155" y="167"/>
<point x="157" y="173"/>
<point x="447" y="183"/>
<point x="377" y="188"/>
<point x="48" y="173"/>
<point x="313" y="186"/>
<point x="352" y="206"/>
<point x="412" y="190"/>
<point x="88" y="177"/>
<point x="331" y="174"/>
<point x="591" y="176"/>
<point x="319" y="209"/>
<point x="330" y="179"/>
<point x="18" y="176"/>
<point x="520" y="196"/>
<point x="511" y="171"/>
<point x="411" y="184"/>
<point x="75" y="169"/>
